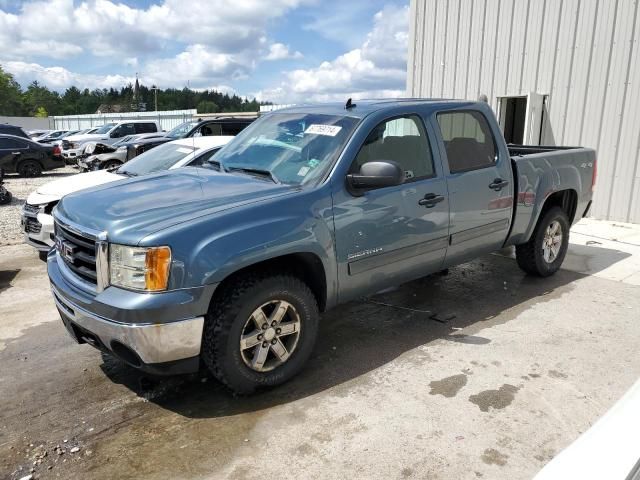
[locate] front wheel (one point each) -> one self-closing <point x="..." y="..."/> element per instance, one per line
<point x="260" y="331"/>
<point x="544" y="253"/>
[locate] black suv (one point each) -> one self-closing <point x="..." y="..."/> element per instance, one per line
<point x="219" y="125"/>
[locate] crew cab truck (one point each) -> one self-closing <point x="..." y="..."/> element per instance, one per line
<point x="229" y="265"/>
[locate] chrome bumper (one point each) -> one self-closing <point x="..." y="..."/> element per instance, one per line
<point x="152" y="343"/>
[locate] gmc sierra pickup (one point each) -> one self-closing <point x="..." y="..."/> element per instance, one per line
<point x="229" y="265"/>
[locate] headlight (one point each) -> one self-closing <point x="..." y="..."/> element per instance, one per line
<point x="139" y="268"/>
<point x="121" y="149"/>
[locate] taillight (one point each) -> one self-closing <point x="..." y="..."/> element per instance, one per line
<point x="595" y="174"/>
<point x="56" y="151"/>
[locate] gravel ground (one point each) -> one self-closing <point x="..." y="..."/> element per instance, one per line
<point x="20" y="187"/>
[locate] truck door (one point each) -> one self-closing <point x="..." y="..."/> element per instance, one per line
<point x="478" y="176"/>
<point x="389" y="235"/>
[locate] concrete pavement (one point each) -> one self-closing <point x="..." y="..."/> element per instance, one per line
<point x="483" y="373"/>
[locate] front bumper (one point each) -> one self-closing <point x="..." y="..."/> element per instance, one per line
<point x="134" y="327"/>
<point x="38" y="230"/>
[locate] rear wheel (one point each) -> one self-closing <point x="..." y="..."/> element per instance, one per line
<point x="260" y="331"/>
<point x="544" y="253"/>
<point x="29" y="168"/>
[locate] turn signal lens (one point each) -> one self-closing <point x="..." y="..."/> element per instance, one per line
<point x="157" y="265"/>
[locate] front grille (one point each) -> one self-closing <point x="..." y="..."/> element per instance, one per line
<point x="78" y="252"/>
<point x="31" y="225"/>
<point x="31" y="209"/>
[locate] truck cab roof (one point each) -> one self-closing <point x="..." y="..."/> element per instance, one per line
<point x="362" y="108"/>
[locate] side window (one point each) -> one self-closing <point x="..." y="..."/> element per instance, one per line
<point x="200" y="160"/>
<point x="145" y="127"/>
<point x="468" y="141"/>
<point x="402" y="140"/>
<point x="209" y="130"/>
<point x="232" y="128"/>
<point x="123" y="130"/>
<point x="12" y="143"/>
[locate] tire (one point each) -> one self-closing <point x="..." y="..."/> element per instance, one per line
<point x="29" y="168"/>
<point x="231" y="315"/>
<point x="532" y="257"/>
<point x="110" y="164"/>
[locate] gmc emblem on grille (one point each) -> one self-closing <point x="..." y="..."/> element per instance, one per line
<point x="65" y="249"/>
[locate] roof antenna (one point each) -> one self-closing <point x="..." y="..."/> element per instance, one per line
<point x="350" y="105"/>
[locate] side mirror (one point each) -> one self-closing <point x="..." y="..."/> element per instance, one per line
<point x="378" y="174"/>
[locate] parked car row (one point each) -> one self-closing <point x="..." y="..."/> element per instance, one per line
<point x="228" y="265"/>
<point x="37" y="221"/>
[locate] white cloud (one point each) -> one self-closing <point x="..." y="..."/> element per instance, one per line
<point x="219" y="42"/>
<point x="280" y="51"/>
<point x="107" y="27"/>
<point x="59" y="78"/>
<point x="376" y="69"/>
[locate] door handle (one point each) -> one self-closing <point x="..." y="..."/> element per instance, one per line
<point x="16" y="153"/>
<point x="498" y="184"/>
<point x="430" y="200"/>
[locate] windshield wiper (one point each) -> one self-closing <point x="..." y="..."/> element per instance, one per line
<point x="125" y="172"/>
<point x="255" y="171"/>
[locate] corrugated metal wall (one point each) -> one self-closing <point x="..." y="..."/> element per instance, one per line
<point x="583" y="54"/>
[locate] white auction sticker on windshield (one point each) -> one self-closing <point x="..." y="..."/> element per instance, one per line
<point x="318" y="129"/>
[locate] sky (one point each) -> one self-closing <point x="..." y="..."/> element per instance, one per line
<point x="283" y="51"/>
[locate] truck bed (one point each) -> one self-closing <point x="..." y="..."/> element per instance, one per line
<point x="540" y="171"/>
<point x="522" y="150"/>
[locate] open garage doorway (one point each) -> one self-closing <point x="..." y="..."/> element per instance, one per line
<point x="521" y="118"/>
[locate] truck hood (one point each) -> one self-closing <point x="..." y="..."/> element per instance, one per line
<point x="132" y="209"/>
<point x="54" y="191"/>
<point x="87" y="137"/>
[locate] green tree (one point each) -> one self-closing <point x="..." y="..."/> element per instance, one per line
<point x="10" y="95"/>
<point x="41" y="113"/>
<point x="206" y="106"/>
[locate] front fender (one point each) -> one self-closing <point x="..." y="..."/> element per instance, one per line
<point x="210" y="250"/>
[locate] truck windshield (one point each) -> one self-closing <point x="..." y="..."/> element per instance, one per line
<point x="159" y="158"/>
<point x="295" y="148"/>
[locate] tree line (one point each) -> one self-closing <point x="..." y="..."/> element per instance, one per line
<point x="38" y="100"/>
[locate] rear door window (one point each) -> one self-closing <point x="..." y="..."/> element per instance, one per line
<point x="468" y="140"/>
<point x="145" y="127"/>
<point x="233" y="128"/>
<point x="8" y="143"/>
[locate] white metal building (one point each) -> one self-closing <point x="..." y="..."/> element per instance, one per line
<point x="556" y="72"/>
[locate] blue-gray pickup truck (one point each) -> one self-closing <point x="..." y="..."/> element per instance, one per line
<point x="229" y="265"/>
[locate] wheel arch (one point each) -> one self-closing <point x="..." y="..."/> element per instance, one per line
<point x="566" y="199"/>
<point x="306" y="266"/>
